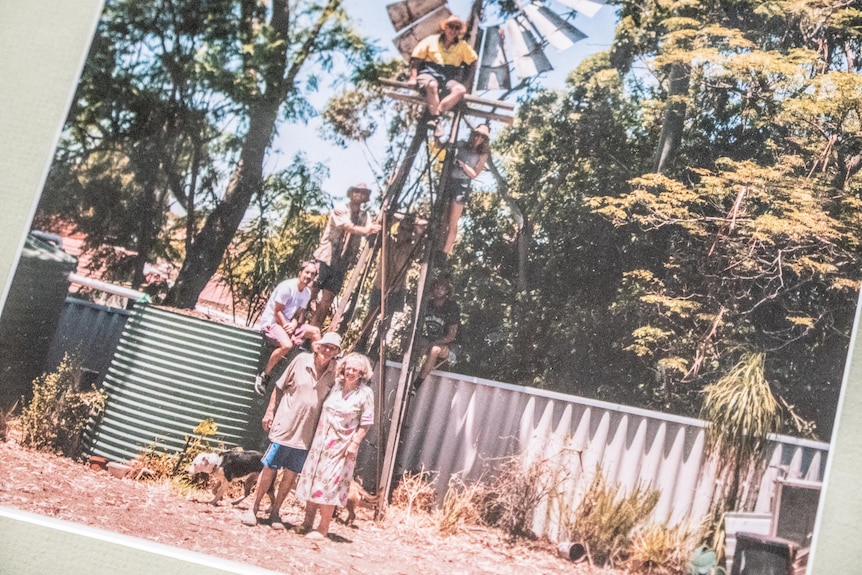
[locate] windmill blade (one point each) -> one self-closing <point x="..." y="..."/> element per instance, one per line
<point x="556" y="30"/>
<point x="528" y="57"/>
<point x="403" y="14"/>
<point x="586" y="7"/>
<point x="494" y="69"/>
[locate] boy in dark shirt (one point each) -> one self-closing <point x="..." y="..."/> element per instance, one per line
<point x="439" y="328"/>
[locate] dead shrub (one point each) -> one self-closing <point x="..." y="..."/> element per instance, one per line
<point x="511" y="498"/>
<point x="55" y="419"/>
<point x="415" y="493"/>
<point x="462" y="505"/>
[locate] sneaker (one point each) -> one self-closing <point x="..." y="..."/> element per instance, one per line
<point x="249" y="518"/>
<point x="260" y="382"/>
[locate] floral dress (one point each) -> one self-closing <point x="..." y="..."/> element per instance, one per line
<point x="326" y="476"/>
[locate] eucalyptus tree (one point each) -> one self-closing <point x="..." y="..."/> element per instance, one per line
<point x="291" y="39"/>
<point x="177" y="109"/>
<point x="282" y="233"/>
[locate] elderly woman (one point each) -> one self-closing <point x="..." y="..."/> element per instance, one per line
<point x="347" y="414"/>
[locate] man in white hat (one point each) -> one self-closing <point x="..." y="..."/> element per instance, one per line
<point x="291" y="416"/>
<point x="339" y="246"/>
<point x="442" y="66"/>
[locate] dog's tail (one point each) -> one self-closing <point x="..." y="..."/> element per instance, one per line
<point x="367" y="497"/>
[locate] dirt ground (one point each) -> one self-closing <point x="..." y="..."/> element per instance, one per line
<point x="400" y="544"/>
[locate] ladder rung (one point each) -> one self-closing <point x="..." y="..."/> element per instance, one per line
<point x="416" y="99"/>
<point x="467" y="98"/>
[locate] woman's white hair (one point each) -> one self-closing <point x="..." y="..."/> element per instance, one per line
<point x="365" y="368"/>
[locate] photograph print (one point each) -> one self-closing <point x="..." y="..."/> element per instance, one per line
<point x="578" y="277"/>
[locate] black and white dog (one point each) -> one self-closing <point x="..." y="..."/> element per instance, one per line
<point x="225" y="466"/>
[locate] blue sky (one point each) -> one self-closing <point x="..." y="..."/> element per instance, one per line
<point x="351" y="166"/>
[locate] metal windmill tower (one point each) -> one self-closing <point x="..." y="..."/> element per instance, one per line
<point x="513" y="47"/>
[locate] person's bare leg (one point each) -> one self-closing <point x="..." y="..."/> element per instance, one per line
<point x="275" y="357"/>
<point x="288" y="478"/>
<point x="432" y="98"/>
<point x="431" y="359"/>
<point x="310" y="512"/>
<point x="326" y="512"/>
<point x="455" y="212"/>
<point x="323" y="307"/>
<point x="264" y="482"/>
<point x="456" y="93"/>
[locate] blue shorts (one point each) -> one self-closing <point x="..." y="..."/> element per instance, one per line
<point x="283" y="457"/>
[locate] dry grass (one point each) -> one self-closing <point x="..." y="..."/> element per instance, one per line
<point x="661" y="550"/>
<point x="606" y="518"/>
<point x="462" y="505"/>
<point x="415" y="493"/>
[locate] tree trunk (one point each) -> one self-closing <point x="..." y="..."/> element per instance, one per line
<point x="522" y="223"/>
<point x="674" y="118"/>
<point x="209" y="245"/>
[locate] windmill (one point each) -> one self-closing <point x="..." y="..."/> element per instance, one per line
<point x="514" y="46"/>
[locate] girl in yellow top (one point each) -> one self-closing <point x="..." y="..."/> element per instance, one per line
<point x="443" y="65"/>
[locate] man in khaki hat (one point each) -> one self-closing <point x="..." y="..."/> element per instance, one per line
<point x="442" y="66"/>
<point x="339" y="246"/>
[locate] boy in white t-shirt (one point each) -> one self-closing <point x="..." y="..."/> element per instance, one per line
<point x="283" y="322"/>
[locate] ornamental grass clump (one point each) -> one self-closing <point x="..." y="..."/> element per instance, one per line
<point x="741" y="413"/>
<point x="606" y="518"/>
<point x="661" y="550"/>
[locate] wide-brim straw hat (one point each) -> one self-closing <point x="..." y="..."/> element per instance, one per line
<point x="359" y="188"/>
<point x="483" y="130"/>
<point x="456" y="20"/>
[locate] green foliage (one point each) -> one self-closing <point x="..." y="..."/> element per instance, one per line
<point x="55" y="418"/>
<point x="271" y="246"/>
<point x="606" y="518"/>
<point x="171" y="98"/>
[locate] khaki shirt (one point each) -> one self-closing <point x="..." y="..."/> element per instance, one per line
<point x="304" y="392"/>
<point x="338" y="248"/>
